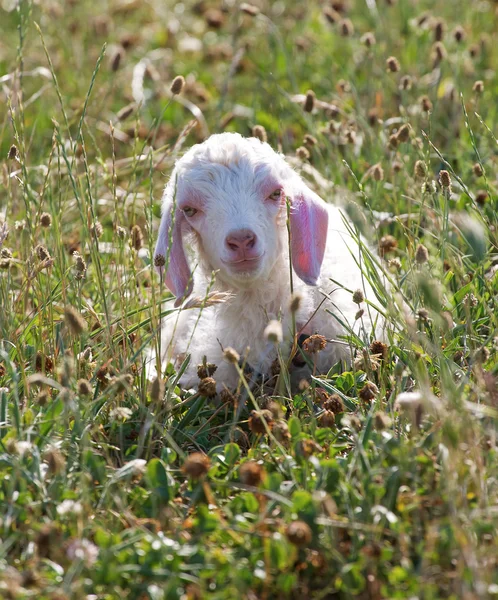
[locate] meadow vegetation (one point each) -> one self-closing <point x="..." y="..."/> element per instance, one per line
<point x="378" y="480"/>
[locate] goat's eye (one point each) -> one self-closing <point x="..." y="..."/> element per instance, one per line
<point x="189" y="211"/>
<point x="276" y="195"/>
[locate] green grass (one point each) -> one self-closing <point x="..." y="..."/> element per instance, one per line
<point x="98" y="496"/>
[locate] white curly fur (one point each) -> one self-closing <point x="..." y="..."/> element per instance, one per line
<point x="229" y="180"/>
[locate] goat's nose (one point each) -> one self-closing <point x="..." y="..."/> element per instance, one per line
<point x="240" y="240"/>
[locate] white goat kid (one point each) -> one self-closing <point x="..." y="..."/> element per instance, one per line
<point x="226" y="201"/>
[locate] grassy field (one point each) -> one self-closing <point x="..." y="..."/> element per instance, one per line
<point x="390" y="490"/>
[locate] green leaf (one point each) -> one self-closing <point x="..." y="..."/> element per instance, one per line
<point x="294" y="426"/>
<point x="232" y="453"/>
<point x="158" y="480"/>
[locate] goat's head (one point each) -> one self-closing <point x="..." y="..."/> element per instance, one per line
<point x="230" y="192"/>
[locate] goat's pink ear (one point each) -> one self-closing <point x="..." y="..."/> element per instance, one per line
<point x="178" y="277"/>
<point x="309" y="220"/>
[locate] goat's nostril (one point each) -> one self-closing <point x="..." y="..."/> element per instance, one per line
<point x="241" y="240"/>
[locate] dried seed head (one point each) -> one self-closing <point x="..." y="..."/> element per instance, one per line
<point x="207" y="387"/>
<point x="314" y="343"/>
<point x="425" y="104"/>
<point x="326" y="419"/>
<point x="368" y="39"/>
<point x="214" y="18"/>
<point x="251" y="473"/>
<point x="177" y="85"/>
<point x="281" y="431"/>
<point x="97" y="229"/>
<point x="258" y="131"/>
<point x="387" y="244"/>
<point x="137" y="237"/>
<point x="392" y="64"/>
<point x="121" y="232"/>
<point x="346" y="27"/>
<point x="74" y="321"/>
<point x="373" y="117"/>
<point x="116" y="59"/>
<point x="477" y="169"/>
<point x="295" y="302"/>
<point x="405" y="83"/>
<point x="420" y="169"/>
<point x="334" y="404"/>
<point x="478" y="87"/>
<point x="379" y="349"/>
<point x="46" y="219"/>
<point x="397" y="166"/>
<point x="159" y="260"/>
<point x="438" y="53"/>
<point x="206" y="370"/>
<point x="303" y="153"/>
<point x="299" y="533"/>
<point x="309" y="140"/>
<point x="273" y="332"/>
<point x="79" y="265"/>
<point x="126" y="111"/>
<point x="84" y="388"/>
<point x="13" y="153"/>
<point x="481" y="197"/>
<point x="43" y="363"/>
<point x="439" y="28"/>
<point x="393" y="141"/>
<point x="459" y="33"/>
<point x="231" y="355"/>
<point x="445" y="179"/>
<point x="157" y="390"/>
<point x="42" y="252"/>
<point x="403" y="134"/>
<point x="474" y="50"/>
<point x="249" y="9"/>
<point x="382" y="421"/>
<point x="196" y="465"/>
<point x="368" y="391"/>
<point x="378" y="172"/>
<point x="305" y="448"/>
<point x="309" y="102"/>
<point x="331" y="15"/>
<point x="358" y="297"/>
<point x="55" y="460"/>
<point x="258" y="419"/>
<point x="421" y="254"/>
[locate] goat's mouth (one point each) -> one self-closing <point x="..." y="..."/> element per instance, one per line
<point x="244" y="265"/>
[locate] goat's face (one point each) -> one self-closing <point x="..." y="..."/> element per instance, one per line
<point x="230" y="192"/>
<point x="236" y="211"/>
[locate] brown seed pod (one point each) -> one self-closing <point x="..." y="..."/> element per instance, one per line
<point x="392" y="64"/>
<point x="309" y="102"/>
<point x="421" y="254"/>
<point x="177" y="85"/>
<point x="207" y="387"/>
<point x="387" y="244"/>
<point x="379" y="348"/>
<point x="257" y="421"/>
<point x="314" y="344"/>
<point x="368" y="391"/>
<point x="206" y="370"/>
<point x="258" y="131"/>
<point x="334" y="404"/>
<point x="251" y="473"/>
<point x="196" y="465"/>
<point x="326" y="419"/>
<point x="299" y="533"/>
